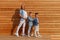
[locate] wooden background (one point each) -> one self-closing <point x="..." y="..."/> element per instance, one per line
<point x="49" y="15"/>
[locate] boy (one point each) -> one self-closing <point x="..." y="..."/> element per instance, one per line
<point x="36" y="25"/>
<point x="30" y="22"/>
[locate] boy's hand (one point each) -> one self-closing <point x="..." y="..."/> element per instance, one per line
<point x="24" y="18"/>
<point x="38" y="22"/>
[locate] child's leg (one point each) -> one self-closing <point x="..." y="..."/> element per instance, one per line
<point x="35" y="31"/>
<point x="32" y="32"/>
<point x="29" y="31"/>
<point x="38" y="31"/>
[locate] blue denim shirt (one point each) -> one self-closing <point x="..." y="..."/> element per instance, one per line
<point x="30" y="21"/>
<point x="35" y="21"/>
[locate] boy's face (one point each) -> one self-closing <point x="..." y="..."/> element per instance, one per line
<point x="36" y="15"/>
<point x="30" y="14"/>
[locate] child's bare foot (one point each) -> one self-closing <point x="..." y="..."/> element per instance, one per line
<point x="39" y="35"/>
<point x="36" y="36"/>
<point x="28" y="35"/>
<point x="31" y="34"/>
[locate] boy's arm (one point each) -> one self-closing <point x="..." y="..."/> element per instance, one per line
<point x="29" y="18"/>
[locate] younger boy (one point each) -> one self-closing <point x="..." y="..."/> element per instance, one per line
<point x="36" y="25"/>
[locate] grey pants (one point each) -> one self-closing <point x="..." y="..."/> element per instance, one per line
<point x="30" y="26"/>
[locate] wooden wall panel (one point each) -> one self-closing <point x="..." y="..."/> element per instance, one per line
<point x="49" y="15"/>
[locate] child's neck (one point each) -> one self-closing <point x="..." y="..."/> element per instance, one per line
<point x="36" y="17"/>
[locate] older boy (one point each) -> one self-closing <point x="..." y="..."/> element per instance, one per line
<point x="30" y="22"/>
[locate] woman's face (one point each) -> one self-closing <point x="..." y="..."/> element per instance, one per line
<point x="22" y="7"/>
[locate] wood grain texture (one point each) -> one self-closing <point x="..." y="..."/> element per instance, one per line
<point x="49" y="15"/>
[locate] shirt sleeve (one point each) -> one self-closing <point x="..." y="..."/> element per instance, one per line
<point x="30" y="18"/>
<point x="21" y="12"/>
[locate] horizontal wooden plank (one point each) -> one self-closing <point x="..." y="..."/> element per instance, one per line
<point x="33" y="0"/>
<point x="49" y="15"/>
<point x="17" y="4"/>
<point x="55" y="37"/>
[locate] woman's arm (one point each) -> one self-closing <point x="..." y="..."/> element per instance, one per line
<point x="21" y="13"/>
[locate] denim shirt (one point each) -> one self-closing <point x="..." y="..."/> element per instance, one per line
<point x="30" y="21"/>
<point x="36" y="21"/>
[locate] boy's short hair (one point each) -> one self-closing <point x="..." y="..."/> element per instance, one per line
<point x="36" y="13"/>
<point x="30" y="12"/>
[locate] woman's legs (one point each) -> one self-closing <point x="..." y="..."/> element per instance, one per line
<point x="19" y="26"/>
<point x="23" y="30"/>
